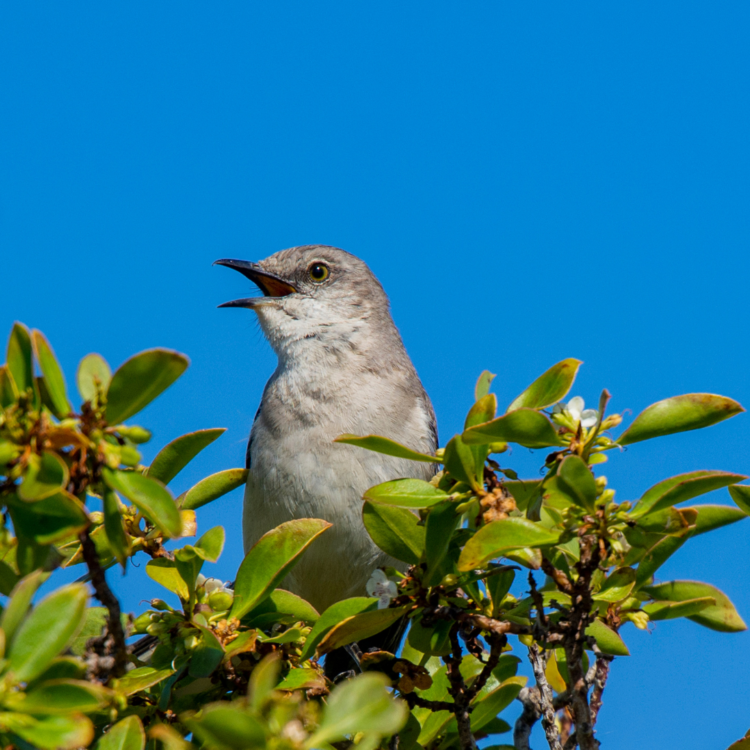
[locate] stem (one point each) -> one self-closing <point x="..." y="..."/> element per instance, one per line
<point x="538" y="663"/>
<point x="532" y="710"/>
<point x="460" y="694"/>
<point x="600" y="680"/>
<point x="109" y="600"/>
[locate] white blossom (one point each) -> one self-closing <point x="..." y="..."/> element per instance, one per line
<point x="382" y="587"/>
<point x="575" y="407"/>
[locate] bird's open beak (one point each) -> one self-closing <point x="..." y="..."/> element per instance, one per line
<point x="269" y="283"/>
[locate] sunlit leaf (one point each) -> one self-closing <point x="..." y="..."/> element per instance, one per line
<point x="526" y="427"/>
<point x="227" y="727"/>
<point x="577" y="481"/>
<point x="523" y="490"/>
<point x="51" y="520"/>
<point x="175" y="456"/>
<point x="125" y="735"/>
<point x="137" y="382"/>
<point x="52" y="374"/>
<point x="19" y="357"/>
<point x="210" y="546"/>
<point x="282" y="606"/>
<point x="549" y="388"/>
<point x="607" y="640"/>
<point x="677" y="414"/>
<point x="302" y="679"/>
<point x="656" y="556"/>
<point x="617" y="586"/>
<point x="118" y="539"/>
<point x="395" y="531"/>
<point x="61" y="697"/>
<point x="141" y="679"/>
<point x="335" y="614"/>
<point x="93" y="377"/>
<point x="460" y="462"/>
<point x="406" y="493"/>
<point x="482" y="387"/>
<point x="50" y="732"/>
<point x="212" y="487"/>
<point x="384" y="445"/>
<point x="741" y="495"/>
<point x="270" y="559"/>
<point x="671" y="610"/>
<point x="19" y="603"/>
<point x="8" y="389"/>
<point x="45" y="475"/>
<point x="165" y="573"/>
<point x="439" y="527"/>
<point x="357" y="627"/>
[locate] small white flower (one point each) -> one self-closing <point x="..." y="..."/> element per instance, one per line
<point x="574" y="407"/>
<point x="214" y="584"/>
<point x="382" y="587"/>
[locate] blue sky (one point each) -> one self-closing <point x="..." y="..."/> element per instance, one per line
<point x="529" y="183"/>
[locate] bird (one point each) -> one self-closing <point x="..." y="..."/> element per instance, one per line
<point x="342" y="368"/>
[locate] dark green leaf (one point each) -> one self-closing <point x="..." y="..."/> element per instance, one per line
<point x="45" y="475"/>
<point x="406" y="493"/>
<point x="524" y="426"/>
<point x="272" y="557"/>
<point x="433" y="640"/>
<point x="439" y="527"/>
<point x="8" y="389"/>
<point x="93" y="626"/>
<point x="227" y="727"/>
<point x="722" y="616"/>
<point x="671" y="610"/>
<point x="49" y="628"/>
<point x="501" y="536"/>
<point x="127" y="734"/>
<point x="8" y="579"/>
<point x="118" y="539"/>
<point x="335" y="614"/>
<point x="460" y="462"/>
<point x="577" y="481"/>
<point x="48" y="521"/>
<point x="385" y="445"/>
<point x="523" y="490"/>
<point x="137" y="382"/>
<point x="357" y="627"/>
<point x="549" y="388"/>
<point x="489" y="706"/>
<point x="741" y="495"/>
<point x="395" y="531"/>
<point x="607" y="640"/>
<point x="212" y="487"/>
<point x="175" y="456"/>
<point x="207" y="656"/>
<point x="52" y="374"/>
<point x="151" y="497"/>
<point x="482" y="387"/>
<point x="19" y="357"/>
<point x="51" y="732"/>
<point x="677" y="414"/>
<point x="282" y="606"/>
<point x="93" y="377"/>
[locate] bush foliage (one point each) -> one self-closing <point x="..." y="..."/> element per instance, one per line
<point x="241" y="668"/>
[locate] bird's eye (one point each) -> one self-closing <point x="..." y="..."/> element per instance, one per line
<point x="319" y="272"/>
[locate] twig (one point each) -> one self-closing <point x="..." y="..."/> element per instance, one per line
<point x="601" y="673"/>
<point x="538" y="663"/>
<point x="415" y="700"/>
<point x="496" y="648"/>
<point x="459" y="693"/>
<point x="532" y="710"/>
<point x="109" y="600"/>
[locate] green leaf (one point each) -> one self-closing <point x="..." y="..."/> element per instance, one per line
<point x="19" y="357"/>
<point x="282" y="606"/>
<point x="482" y="387"/>
<point x="61" y="697"/>
<point x="50" y="732"/>
<point x="433" y="640"/>
<point x="49" y="628"/>
<point x="211" y="488"/>
<point x="116" y="536"/>
<point x="482" y="411"/>
<point x="127" y="734"/>
<point x="502" y="536"/>
<point x="607" y="640"/>
<point x="656" y="556"/>
<point x="577" y="481"/>
<point x="270" y="559"/>
<point x="166" y="574"/>
<point x="395" y="531"/>
<point x="439" y="527"/>
<point x="93" y="377"/>
<point x="406" y="493"/>
<point x="46" y="474"/>
<point x="140" y="679"/>
<point x="361" y="704"/>
<point x="151" y="497"/>
<point x="550" y="387"/>
<point x="8" y="578"/>
<point x="175" y="456"/>
<point x="488" y="707"/>
<point x="207" y="656"/>
<point x="52" y="374"/>
<point x="741" y="495"/>
<point x="301" y="679"/>
<point x="523" y="490"/>
<point x="19" y="603"/>
<point x="683" y="487"/>
<point x="137" y="382"/>
<point x="48" y="521"/>
<point x="360" y="626"/>
<point x="335" y="614"/>
<point x="722" y="616"/>
<point x="617" y="586"/>
<point x="94" y="623"/>
<point x="460" y="462"/>
<point x="677" y="414"/>
<point x="227" y="727"/>
<point x="712" y="517"/>
<point x="210" y="546"/>
<point x="524" y="426"/>
<point x="385" y="445"/>
<point x="8" y="389"/>
<point x="671" y="610"/>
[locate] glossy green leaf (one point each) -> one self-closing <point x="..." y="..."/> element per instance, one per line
<point x="118" y="539"/>
<point x="656" y="556"/>
<point x="523" y="490"/>
<point x="166" y="573"/>
<point x="406" y="493"/>
<point x="335" y="614"/>
<point x="741" y="495"/>
<point x="712" y="517"/>
<point x="45" y="475"/>
<point x="360" y="626"/>
<point x="501" y="536"/>
<point x="8" y="389"/>
<point x="459" y="461"/>
<point x="50" y="627"/>
<point x="227" y="727"/>
<point x="482" y="388"/>
<point x="683" y="487"/>
<point x="19" y="357"/>
<point x="49" y="521"/>
<point x="175" y="456"/>
<point x="617" y="586"/>
<point x="151" y="498"/>
<point x="497" y="700"/>
<point x="526" y="427"/>
<point x="549" y="388"/>
<point x="137" y="382"/>
<point x="19" y="603"/>
<point x="361" y="704"/>
<point x="677" y="414"/>
<point x="52" y="374"/>
<point x="207" y="656"/>
<point x="212" y="487"/>
<point x="210" y="546"/>
<point x="577" y="481"/>
<point x="263" y="680"/>
<point x="282" y="606"/>
<point x="483" y="411"/>
<point x="94" y="622"/>
<point x="141" y="679"/>
<point x="722" y="616"/>
<point x="671" y="610"/>
<point x="61" y="697"/>
<point x="93" y="377"/>
<point x="433" y="640"/>
<point x="439" y="527"/>
<point x="127" y="734"/>
<point x="387" y="446"/>
<point x="607" y="640"/>
<point x="395" y="531"/>
<point x="272" y="557"/>
<point x="50" y="732"/>
<point x="301" y="679"/>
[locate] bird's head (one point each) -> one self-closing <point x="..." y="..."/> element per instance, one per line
<point x="313" y="293"/>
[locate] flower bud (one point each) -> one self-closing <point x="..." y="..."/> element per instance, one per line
<point x="639" y="619"/>
<point x="129" y="455"/>
<point x="134" y="433"/>
<point x="601" y="484"/>
<point x="142" y="622"/>
<point x="498" y="447"/>
<point x="527" y="640"/>
<point x="220" y="601"/>
<point x="160" y="605"/>
<point x="611" y="421"/>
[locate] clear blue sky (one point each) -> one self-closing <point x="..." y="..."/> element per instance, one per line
<point x="529" y="182"/>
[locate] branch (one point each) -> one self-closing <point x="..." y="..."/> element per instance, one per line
<point x="538" y="663"/>
<point x="459" y="693"/>
<point x="532" y="710"/>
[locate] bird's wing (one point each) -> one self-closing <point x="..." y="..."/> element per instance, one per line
<point x="248" y="454"/>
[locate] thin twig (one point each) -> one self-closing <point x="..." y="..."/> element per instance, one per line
<point x="532" y="710"/>
<point x="539" y="663"/>
<point x="459" y="693"/>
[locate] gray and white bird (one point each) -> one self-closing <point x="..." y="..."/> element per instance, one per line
<point x="342" y="368"/>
